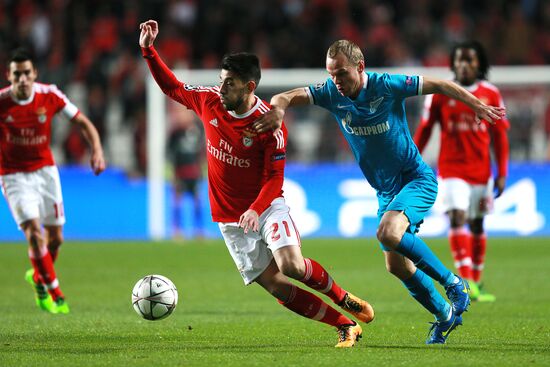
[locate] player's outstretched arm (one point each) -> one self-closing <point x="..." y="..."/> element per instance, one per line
<point x="97" y="161"/>
<point x="273" y="119"/>
<point x="164" y="77"/>
<point x="453" y="90"/>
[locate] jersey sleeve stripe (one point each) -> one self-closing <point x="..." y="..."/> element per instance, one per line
<point x="51" y="88"/>
<point x="263" y="107"/>
<point x="420" y="85"/>
<point x="280" y="139"/>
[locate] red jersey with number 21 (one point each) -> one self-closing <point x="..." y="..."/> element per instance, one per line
<point x="245" y="169"/>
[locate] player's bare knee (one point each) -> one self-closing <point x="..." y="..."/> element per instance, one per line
<point x="389" y="236"/>
<point x="294" y="268"/>
<point x="457" y="218"/>
<point x="55" y="241"/>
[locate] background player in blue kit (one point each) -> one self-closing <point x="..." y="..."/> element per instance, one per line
<point x="370" y="111"/>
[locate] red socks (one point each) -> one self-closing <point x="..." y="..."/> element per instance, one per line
<point x="459" y="239"/>
<point x="310" y="306"/>
<point x="44" y="272"/>
<point x="479" y="246"/>
<point x="318" y="278"/>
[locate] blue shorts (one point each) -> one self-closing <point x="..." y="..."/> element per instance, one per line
<point x="415" y="200"/>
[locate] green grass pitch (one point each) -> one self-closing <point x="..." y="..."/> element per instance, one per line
<point x="220" y="322"/>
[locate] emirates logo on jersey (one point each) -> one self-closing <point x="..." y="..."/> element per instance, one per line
<point x="248" y="135"/>
<point x="41" y="113"/>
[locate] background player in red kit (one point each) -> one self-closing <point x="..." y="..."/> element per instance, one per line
<point x="29" y="177"/>
<point x="245" y="178"/>
<point x="464" y="166"/>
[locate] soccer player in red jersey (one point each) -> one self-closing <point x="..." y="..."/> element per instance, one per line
<point x="245" y="178"/>
<point x="464" y="166"/>
<point x="28" y="174"/>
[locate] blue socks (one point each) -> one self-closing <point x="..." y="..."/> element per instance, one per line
<point x="422" y="256"/>
<point x="423" y="290"/>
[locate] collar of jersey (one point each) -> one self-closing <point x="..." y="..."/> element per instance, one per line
<point x="470" y="88"/>
<point x="247" y="113"/>
<point x="361" y="96"/>
<point x="23" y="102"/>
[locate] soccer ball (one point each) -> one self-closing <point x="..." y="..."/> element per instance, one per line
<point x="154" y="297"/>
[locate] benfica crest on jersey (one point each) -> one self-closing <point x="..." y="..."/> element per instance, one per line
<point x="248" y="136"/>
<point x="41" y="113"/>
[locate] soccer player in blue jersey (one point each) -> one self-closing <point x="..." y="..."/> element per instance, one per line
<point x="370" y="111"/>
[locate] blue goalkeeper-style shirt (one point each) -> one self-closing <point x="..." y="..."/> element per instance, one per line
<point x="375" y="126"/>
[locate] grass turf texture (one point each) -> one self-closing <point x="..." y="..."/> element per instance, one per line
<point x="221" y="322"/>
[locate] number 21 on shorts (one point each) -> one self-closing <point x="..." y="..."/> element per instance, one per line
<point x="286" y="229"/>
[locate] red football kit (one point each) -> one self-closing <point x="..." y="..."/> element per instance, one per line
<point x="465" y="144"/>
<point x="25" y="127"/>
<point x="245" y="169"/>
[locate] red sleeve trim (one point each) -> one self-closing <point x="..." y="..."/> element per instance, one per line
<point x="75" y="115"/>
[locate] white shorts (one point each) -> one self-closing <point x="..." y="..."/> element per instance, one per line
<point x="475" y="200"/>
<point x="252" y="252"/>
<point x="35" y="195"/>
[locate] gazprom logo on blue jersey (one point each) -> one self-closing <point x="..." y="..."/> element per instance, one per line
<point x="364" y="130"/>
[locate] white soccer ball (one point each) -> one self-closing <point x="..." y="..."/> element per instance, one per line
<point x="154" y="297"/>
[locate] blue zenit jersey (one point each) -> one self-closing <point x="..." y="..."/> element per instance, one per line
<point x="376" y="129"/>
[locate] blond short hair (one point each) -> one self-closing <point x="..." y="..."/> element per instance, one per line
<point x="349" y="49"/>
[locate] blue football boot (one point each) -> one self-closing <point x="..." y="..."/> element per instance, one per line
<point x="458" y="294"/>
<point x="440" y="330"/>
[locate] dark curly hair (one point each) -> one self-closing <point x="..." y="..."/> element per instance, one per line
<point x="483" y="70"/>
<point x="244" y="64"/>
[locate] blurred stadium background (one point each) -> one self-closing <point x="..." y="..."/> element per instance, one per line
<point x="90" y="50"/>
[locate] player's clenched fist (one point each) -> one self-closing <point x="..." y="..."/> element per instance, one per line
<point x="149" y="31"/>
